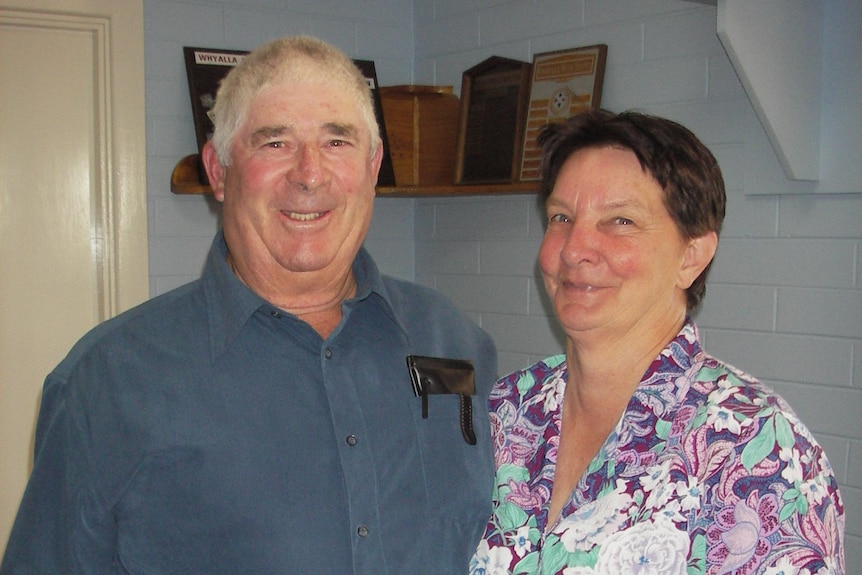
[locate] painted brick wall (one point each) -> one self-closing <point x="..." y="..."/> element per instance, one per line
<point x="784" y="300"/>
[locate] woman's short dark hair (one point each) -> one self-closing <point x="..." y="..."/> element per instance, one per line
<point x="684" y="168"/>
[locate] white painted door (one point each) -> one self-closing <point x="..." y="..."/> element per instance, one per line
<point x="73" y="246"/>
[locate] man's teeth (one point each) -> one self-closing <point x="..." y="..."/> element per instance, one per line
<point x="303" y="217"/>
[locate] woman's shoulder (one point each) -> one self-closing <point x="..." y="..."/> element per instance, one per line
<point x="541" y="382"/>
<point x="533" y="377"/>
<point x="732" y="400"/>
<point x="717" y="380"/>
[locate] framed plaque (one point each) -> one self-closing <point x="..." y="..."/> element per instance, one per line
<point x="206" y="67"/>
<point x="563" y="83"/>
<point x="386" y="176"/>
<point x="491" y="121"/>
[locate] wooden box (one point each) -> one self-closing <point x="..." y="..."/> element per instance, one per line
<point x="422" y="128"/>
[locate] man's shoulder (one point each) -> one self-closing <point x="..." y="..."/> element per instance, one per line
<point x="425" y="309"/>
<point x="155" y="318"/>
<point x="433" y="320"/>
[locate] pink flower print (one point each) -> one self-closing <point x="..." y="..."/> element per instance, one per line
<point x="739" y="537"/>
<point x="518" y="447"/>
<point x="821" y="532"/>
<point x="681" y="419"/>
<point x="521" y="495"/>
<point x="632" y="463"/>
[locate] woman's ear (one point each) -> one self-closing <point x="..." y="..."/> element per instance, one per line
<point x="698" y="254"/>
<point x="215" y="171"/>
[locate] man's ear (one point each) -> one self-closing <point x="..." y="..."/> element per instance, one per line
<point x="215" y="171"/>
<point x="376" y="162"/>
<point x="698" y="254"/>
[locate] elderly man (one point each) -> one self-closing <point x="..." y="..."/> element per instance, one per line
<point x="262" y="419"/>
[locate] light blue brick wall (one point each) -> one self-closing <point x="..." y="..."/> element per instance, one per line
<point x="785" y="298"/>
<point x="784" y="301"/>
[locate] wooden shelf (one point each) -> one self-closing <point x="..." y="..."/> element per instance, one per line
<point x="185" y="180"/>
<point x="459" y="190"/>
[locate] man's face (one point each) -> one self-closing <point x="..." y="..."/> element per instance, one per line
<point x="299" y="191"/>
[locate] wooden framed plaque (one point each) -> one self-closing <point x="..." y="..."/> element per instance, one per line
<point x="491" y="121"/>
<point x="563" y="83"/>
<point x="206" y="67"/>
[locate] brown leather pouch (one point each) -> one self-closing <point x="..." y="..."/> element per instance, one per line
<point x="438" y="375"/>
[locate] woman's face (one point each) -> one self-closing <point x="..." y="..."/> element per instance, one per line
<point x="613" y="261"/>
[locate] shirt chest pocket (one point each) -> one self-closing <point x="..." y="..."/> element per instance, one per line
<point x="445" y="381"/>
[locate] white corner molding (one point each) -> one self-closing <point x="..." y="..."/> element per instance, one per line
<point x="776" y="47"/>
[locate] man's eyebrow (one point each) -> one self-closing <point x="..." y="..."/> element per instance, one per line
<point x="268" y="132"/>
<point x="339" y="129"/>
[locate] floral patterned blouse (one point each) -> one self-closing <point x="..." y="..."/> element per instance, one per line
<point x="707" y="472"/>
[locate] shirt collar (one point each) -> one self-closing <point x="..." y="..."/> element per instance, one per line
<point x="665" y="384"/>
<point x="230" y="303"/>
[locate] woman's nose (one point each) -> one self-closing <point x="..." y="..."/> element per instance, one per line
<point x="580" y="244"/>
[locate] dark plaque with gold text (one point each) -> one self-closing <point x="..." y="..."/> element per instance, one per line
<point x="491" y="123"/>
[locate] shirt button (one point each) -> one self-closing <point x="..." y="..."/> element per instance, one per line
<point x="328" y="353"/>
<point x="362" y="531"/>
<point x="275" y="314"/>
<point x="351" y="440"/>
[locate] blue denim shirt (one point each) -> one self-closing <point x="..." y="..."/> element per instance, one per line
<point x="208" y="432"/>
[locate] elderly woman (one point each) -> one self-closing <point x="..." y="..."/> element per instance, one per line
<point x="636" y="451"/>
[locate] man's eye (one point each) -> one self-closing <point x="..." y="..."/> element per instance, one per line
<point x="623" y="221"/>
<point x="558" y="219"/>
<point x="275" y="144"/>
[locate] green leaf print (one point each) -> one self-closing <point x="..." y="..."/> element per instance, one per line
<point x="699" y="418"/>
<point x="709" y="375"/>
<point x="529" y="564"/>
<point x="525" y="383"/>
<point x="516" y="473"/>
<point x="783" y="432"/>
<point x="662" y="428"/>
<point x="582" y="559"/>
<point x="511" y="516"/>
<point x="795" y="502"/>
<point x="760" y="447"/>
<point x="802" y="505"/>
<point x="787" y="511"/>
<point x="697" y="556"/>
<point x="554" y="557"/>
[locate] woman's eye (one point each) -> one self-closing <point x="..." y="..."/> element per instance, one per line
<point x="623" y="221"/>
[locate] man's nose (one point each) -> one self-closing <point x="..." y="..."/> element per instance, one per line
<point x="307" y="172"/>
